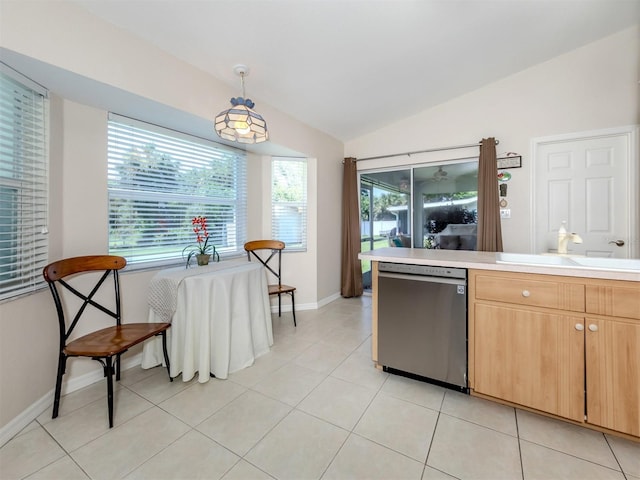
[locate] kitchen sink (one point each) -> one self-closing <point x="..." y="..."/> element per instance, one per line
<point x="568" y="261"/>
<point x="540" y="260"/>
<point x="622" y="264"/>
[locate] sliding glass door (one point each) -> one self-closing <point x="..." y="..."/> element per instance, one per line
<point x="446" y="205"/>
<point x="385" y="213"/>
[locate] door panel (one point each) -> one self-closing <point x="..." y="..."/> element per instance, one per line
<point x="585" y="182"/>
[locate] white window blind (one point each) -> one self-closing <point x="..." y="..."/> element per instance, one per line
<point x="159" y="180"/>
<point x="289" y="201"/>
<point x="23" y="184"/>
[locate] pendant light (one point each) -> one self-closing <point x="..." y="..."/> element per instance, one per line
<point x="240" y="123"/>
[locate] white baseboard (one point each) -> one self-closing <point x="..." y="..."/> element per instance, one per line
<point x="25" y="417"/>
<point x="34" y="410"/>
<point x="328" y="300"/>
<point x="306" y="306"/>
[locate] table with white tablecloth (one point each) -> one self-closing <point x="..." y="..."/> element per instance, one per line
<point x="220" y="318"/>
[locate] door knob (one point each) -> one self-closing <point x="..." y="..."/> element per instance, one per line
<point x="579" y="327"/>
<point x="618" y="243"/>
<point x="593" y="327"/>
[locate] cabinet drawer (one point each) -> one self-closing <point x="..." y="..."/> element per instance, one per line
<point x="530" y="289"/>
<point x="614" y="299"/>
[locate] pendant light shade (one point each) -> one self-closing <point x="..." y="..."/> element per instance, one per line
<point x="240" y="123"/>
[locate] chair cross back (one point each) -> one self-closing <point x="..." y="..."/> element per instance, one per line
<point x="266" y="261"/>
<point x="56" y="273"/>
<point x="276" y="247"/>
<point x="101" y="345"/>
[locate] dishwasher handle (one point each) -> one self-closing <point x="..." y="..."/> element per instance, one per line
<point x="423" y="278"/>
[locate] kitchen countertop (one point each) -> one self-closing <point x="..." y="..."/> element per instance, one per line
<point x="605" y="268"/>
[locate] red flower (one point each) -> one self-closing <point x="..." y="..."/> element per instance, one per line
<point x="202" y="237"/>
<point x="200" y="228"/>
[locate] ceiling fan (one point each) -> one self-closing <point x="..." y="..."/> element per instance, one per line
<point x="440" y="175"/>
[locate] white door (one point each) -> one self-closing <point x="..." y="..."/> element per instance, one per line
<point x="588" y="181"/>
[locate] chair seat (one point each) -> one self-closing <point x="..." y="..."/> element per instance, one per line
<point x="276" y="289"/>
<point x="113" y="340"/>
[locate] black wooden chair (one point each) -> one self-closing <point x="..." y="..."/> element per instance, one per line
<point x="275" y="247"/>
<point x="101" y="345"/>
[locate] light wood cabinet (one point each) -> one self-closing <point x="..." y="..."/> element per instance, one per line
<point x="523" y="353"/>
<point x="530" y="290"/>
<point x="612" y="356"/>
<point x="562" y="345"/>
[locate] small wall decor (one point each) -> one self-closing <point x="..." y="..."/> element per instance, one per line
<point x="504" y="176"/>
<point x="509" y="160"/>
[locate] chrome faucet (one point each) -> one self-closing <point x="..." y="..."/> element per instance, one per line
<point x="564" y="238"/>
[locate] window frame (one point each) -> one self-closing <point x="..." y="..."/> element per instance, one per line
<point x="302" y="204"/>
<point x="25" y="171"/>
<point x="190" y="153"/>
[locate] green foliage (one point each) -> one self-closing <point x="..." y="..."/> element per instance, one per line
<point x="174" y="193"/>
<point x="288" y="186"/>
<point x="443" y="216"/>
<point x="364" y="205"/>
<point x="435" y="197"/>
<point x="200" y="249"/>
<point x="382" y="202"/>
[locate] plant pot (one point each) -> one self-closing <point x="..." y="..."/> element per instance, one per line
<point x="203" y="259"/>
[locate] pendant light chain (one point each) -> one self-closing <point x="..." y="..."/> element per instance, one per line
<point x="242" y="84"/>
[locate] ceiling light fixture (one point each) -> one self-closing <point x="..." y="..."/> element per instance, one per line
<point x="440" y="175"/>
<point x="240" y="123"/>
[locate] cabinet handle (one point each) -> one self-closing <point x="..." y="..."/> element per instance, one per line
<point x="526" y="293"/>
<point x="579" y="327"/>
<point x="593" y="327"/>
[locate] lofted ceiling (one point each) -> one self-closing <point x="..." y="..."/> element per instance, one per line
<point x="350" y="67"/>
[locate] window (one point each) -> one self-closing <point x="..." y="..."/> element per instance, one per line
<point x="23" y="184"/>
<point x="159" y="180"/>
<point x="289" y="201"/>
<point x="427" y="206"/>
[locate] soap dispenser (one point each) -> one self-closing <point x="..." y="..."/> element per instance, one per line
<point x="562" y="238"/>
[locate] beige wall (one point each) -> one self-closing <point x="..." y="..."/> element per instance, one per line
<point x="63" y="35"/>
<point x="594" y="87"/>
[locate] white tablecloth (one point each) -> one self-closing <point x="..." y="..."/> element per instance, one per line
<point x="221" y="322"/>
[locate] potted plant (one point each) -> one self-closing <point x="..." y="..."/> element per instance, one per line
<point x="203" y="250"/>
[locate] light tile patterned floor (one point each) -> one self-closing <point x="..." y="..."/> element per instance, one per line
<point x="313" y="408"/>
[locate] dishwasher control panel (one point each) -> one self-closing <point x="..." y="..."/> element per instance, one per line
<point x="423" y="270"/>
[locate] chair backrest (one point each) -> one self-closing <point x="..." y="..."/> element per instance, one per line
<point x="275" y="246"/>
<point x="56" y="273"/>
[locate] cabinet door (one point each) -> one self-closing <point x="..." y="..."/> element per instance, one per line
<point x="529" y="357"/>
<point x="613" y="374"/>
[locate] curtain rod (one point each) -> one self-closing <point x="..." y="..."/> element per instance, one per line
<point x="422" y="151"/>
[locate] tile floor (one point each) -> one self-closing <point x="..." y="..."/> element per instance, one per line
<point x="314" y="407"/>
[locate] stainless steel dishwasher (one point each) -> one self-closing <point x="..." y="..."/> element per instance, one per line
<point x="422" y="322"/>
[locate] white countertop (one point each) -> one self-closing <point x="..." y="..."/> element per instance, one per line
<point x="611" y="269"/>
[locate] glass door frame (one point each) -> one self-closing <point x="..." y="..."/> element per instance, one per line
<point x="366" y="274"/>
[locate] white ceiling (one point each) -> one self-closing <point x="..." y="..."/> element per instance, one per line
<point x="349" y="67"/>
